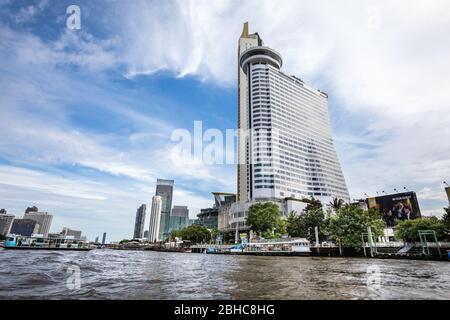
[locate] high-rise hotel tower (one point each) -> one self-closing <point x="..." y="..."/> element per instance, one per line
<point x="290" y="152"/>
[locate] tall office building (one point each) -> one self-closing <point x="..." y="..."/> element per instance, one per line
<point x="44" y="219"/>
<point x="155" y="219"/>
<point x="164" y="189"/>
<point x="288" y="151"/>
<point x="104" y="238"/>
<point x="6" y="221"/>
<point x="179" y="218"/>
<point x="139" y="223"/>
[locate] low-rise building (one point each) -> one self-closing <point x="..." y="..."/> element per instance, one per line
<point x="67" y="232"/>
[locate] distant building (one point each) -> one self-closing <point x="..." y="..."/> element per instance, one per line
<point x="24" y="227"/>
<point x="179" y="218"/>
<point x="67" y="232"/>
<point x="6" y="221"/>
<point x="139" y="222"/>
<point x="164" y="189"/>
<point x="208" y="218"/>
<point x="155" y="219"/>
<point x="96" y="240"/>
<point x="104" y="238"/>
<point x="44" y="219"/>
<point x="223" y="202"/>
<point x="146" y="234"/>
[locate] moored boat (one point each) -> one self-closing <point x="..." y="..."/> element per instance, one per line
<point x="16" y="242"/>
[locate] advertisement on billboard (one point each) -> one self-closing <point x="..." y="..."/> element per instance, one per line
<point x="396" y="207"/>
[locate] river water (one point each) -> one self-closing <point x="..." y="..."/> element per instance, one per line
<point x="109" y="274"/>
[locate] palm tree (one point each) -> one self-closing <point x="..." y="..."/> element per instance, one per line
<point x="336" y="204"/>
<point x="312" y="203"/>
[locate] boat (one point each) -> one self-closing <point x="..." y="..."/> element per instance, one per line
<point x="267" y="247"/>
<point x="17" y="242"/>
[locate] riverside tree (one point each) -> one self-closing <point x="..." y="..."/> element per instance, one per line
<point x="194" y="233"/>
<point x="304" y="225"/>
<point x="408" y="230"/>
<point x="350" y="222"/>
<point x="446" y="218"/>
<point x="265" y="219"/>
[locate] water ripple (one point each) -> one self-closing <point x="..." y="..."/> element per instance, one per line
<point x="108" y="274"/>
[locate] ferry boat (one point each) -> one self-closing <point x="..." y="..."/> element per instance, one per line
<point x="267" y="247"/>
<point x="279" y="247"/>
<point x="17" y="242"/>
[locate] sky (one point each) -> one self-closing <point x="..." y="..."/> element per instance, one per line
<point x="87" y="115"/>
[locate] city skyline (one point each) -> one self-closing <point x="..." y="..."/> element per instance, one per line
<point x="90" y="112"/>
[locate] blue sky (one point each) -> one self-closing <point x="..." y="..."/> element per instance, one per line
<point x="87" y="115"/>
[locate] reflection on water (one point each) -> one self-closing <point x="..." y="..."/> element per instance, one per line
<point x="107" y="274"/>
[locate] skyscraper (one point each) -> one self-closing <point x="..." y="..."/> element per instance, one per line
<point x="44" y="219"/>
<point x="6" y="221"/>
<point x="179" y="218"/>
<point x="139" y="223"/>
<point x="104" y="238"/>
<point x="164" y="189"/>
<point x="155" y="219"/>
<point x="285" y="147"/>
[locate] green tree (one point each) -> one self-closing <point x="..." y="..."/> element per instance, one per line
<point x="337" y="204"/>
<point x="350" y="222"/>
<point x="446" y="217"/>
<point x="174" y="234"/>
<point x="214" y="234"/>
<point x="265" y="218"/>
<point x="293" y="224"/>
<point x="312" y="203"/>
<point x="408" y="230"/>
<point x="194" y="233"/>
<point x="309" y="220"/>
<point x="304" y="225"/>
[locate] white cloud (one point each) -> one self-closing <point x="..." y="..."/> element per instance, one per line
<point x="388" y="72"/>
<point x="388" y="88"/>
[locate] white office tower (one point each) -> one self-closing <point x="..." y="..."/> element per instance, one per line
<point x="288" y="149"/>
<point x="155" y="219"/>
<point x="44" y="219"/>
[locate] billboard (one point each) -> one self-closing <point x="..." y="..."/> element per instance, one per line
<point x="396" y="207"/>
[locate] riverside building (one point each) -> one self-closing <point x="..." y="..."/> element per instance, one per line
<point x="43" y="219"/>
<point x="155" y="219"/>
<point x="285" y="146"/>
<point x="139" y="222"/>
<point x="6" y="221"/>
<point x="179" y="218"/>
<point x="164" y="189"/>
